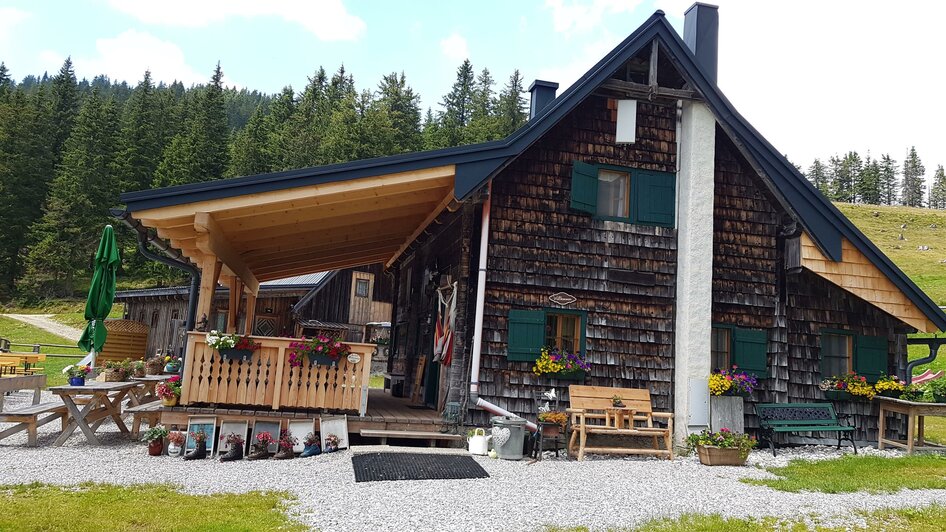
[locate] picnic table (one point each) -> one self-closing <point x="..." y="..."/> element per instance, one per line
<point x="100" y="401"/>
<point x="146" y="393"/>
<point x="915" y="414"/>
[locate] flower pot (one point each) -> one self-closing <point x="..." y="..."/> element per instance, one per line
<point x="155" y="447"/>
<point x="76" y="381"/>
<point x="891" y="393"/>
<point x="172" y="368"/>
<point x="235" y="354"/>
<point x="727" y="411"/>
<point x="550" y="430"/>
<point x="174" y="449"/>
<point x="114" y="375"/>
<point x="139" y="373"/>
<point x="939" y="398"/>
<point x="169" y="401"/>
<point x="321" y="359"/>
<point x="153" y="369"/>
<point x="712" y="456"/>
<point x="837" y="395"/>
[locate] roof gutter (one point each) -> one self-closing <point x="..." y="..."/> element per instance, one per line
<point x="169" y="256"/>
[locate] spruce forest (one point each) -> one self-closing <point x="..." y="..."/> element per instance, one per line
<point x="68" y="148"/>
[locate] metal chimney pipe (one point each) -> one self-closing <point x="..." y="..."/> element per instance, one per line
<point x="543" y="92"/>
<point x="701" y="35"/>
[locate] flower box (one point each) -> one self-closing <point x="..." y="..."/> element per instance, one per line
<point x="235" y="354"/>
<point x="321" y="360"/>
<point x="713" y="456"/>
<point x="577" y="375"/>
<point x="838" y="395"/>
<point x="727" y="411"/>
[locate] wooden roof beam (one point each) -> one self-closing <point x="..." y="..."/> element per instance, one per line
<point x="287" y="254"/>
<point x="646" y="92"/>
<point x="315" y="259"/>
<point x="329" y="235"/>
<point x="420" y="228"/>
<point x="213" y="241"/>
<point x="321" y="267"/>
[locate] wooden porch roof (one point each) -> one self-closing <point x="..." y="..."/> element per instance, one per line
<point x="270" y="235"/>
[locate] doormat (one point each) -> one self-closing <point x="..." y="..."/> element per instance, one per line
<point x="408" y="466"/>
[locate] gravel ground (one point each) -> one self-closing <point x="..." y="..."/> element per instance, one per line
<point x="48" y="324"/>
<point x="598" y="493"/>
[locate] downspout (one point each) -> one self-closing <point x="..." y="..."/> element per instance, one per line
<point x="478" y="317"/>
<point x="934" y="345"/>
<point x="170" y="257"/>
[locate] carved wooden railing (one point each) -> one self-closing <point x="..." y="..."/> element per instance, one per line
<point x="268" y="380"/>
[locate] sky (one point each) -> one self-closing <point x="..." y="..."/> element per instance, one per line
<point x="816" y="78"/>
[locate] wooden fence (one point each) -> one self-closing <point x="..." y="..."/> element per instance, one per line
<point x="267" y="379"/>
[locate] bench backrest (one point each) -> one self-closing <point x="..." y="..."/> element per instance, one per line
<point x="22" y="382"/>
<point x="787" y="414"/>
<point x="599" y="397"/>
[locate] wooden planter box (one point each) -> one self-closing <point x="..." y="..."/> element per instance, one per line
<point x="578" y="375"/>
<point x="727" y="411"/>
<point x="322" y="360"/>
<point x="712" y="456"/>
<point x="236" y="354"/>
<point x="114" y="375"/>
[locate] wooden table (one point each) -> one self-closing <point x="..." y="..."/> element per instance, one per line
<point x="101" y="401"/>
<point x="146" y="393"/>
<point x="914" y="412"/>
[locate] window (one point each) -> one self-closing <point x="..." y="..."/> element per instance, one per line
<point x="361" y="287"/>
<point x="744" y="348"/>
<point x="529" y="330"/>
<point x="720" y="348"/>
<point x="844" y="351"/>
<point x="645" y="197"/>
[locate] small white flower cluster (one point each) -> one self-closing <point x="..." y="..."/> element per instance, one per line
<point x="217" y="340"/>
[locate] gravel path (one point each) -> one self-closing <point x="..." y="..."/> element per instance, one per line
<point x="598" y="493"/>
<point x="47" y="323"/>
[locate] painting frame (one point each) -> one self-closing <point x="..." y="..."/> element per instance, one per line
<point x="272" y="427"/>
<point x="334" y="424"/>
<point x="300" y="428"/>
<point x="241" y="427"/>
<point x="195" y="423"/>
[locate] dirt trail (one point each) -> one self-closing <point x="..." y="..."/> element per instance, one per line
<point x="47" y="323"/>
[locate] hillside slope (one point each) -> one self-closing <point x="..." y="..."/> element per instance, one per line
<point x="921" y="254"/>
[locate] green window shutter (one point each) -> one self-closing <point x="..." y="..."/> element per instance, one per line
<point x="749" y="351"/>
<point x="526" y="334"/>
<point x="870" y="357"/>
<point x="654" y="198"/>
<point x="584" y="187"/>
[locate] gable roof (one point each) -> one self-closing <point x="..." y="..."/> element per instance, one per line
<point x="477" y="163"/>
<point x="308" y="282"/>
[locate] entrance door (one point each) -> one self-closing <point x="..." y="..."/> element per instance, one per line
<point x="432" y="385"/>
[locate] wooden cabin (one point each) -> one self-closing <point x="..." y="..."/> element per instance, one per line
<point x="637" y="218"/>
<point x="343" y="302"/>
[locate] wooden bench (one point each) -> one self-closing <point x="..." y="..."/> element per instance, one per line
<point x="591" y="413"/>
<point x="22" y="382"/>
<point x="801" y="417"/>
<point x="150" y="412"/>
<point x="409" y="434"/>
<point x="28" y="419"/>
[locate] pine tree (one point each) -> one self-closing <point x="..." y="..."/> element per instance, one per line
<point x="483" y="120"/>
<point x="141" y="140"/>
<point x="511" y="107"/>
<point x="85" y="183"/>
<point x="938" y="190"/>
<point x="888" y="180"/>
<point x="913" y="172"/>
<point x="308" y="124"/>
<point x="818" y="175"/>
<point x="846" y="181"/>
<point x="868" y="182"/>
<point x="278" y="126"/>
<point x="65" y="105"/>
<point x="432" y="132"/>
<point x="458" y="105"/>
<point x="835" y="178"/>
<point x="248" y="151"/>
<point x="402" y="106"/>
<point x="6" y="82"/>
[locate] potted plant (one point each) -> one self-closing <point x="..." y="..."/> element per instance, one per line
<point x="889" y="386"/>
<point x="172" y="364"/>
<point x="331" y="443"/>
<point x="77" y="374"/>
<point x="176" y="442"/>
<point x="235" y="444"/>
<point x="311" y="445"/>
<point x="169" y="391"/>
<point x="155" y="438"/>
<point x="117" y="371"/>
<point x="320" y="349"/>
<point x="847" y="387"/>
<point x="561" y="364"/>
<point x="260" y="448"/>
<point x="552" y="422"/>
<point x="721" y="448"/>
<point x="200" y="446"/>
<point x="286" y="442"/>
<point x="232" y="346"/>
<point x="154" y="365"/>
<point x="937" y="388"/>
<point x="727" y="389"/>
<point x="617" y="401"/>
<point x="912" y="393"/>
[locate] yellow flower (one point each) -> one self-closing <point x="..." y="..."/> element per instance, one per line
<point x="718" y="385"/>
<point x="167" y="359"/>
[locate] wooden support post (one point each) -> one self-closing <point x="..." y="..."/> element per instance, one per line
<point x="652" y="75"/>
<point x="234" y="304"/>
<point x="209" y="272"/>
<point x="250" y="313"/>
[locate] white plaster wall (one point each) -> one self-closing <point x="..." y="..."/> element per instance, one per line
<point x="693" y="324"/>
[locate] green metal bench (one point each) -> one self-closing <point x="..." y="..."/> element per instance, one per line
<point x="802" y="417"/>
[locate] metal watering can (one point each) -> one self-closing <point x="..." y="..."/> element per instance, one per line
<point x="479" y="442"/>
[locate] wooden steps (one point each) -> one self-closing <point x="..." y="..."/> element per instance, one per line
<point x="409" y="435"/>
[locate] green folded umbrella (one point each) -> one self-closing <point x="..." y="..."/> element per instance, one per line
<point x="101" y="292"/>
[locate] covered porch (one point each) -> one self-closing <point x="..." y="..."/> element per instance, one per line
<point x="249" y="234"/>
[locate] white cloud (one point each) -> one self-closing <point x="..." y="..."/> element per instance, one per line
<point x="455" y="48"/>
<point x="127" y="56"/>
<point x="565" y="73"/>
<point x="10" y="18"/>
<point x="579" y="16"/>
<point x="328" y="20"/>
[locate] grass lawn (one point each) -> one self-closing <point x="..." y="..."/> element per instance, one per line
<point x="20" y="332"/>
<point x="934" y="429"/>
<point x="859" y="473"/>
<point x="376" y="381"/>
<point x="150" y="507"/>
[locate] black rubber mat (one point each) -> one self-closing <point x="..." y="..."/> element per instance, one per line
<point x="411" y="466"/>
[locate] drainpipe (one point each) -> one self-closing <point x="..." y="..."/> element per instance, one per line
<point x="478" y="318"/>
<point x="934" y="345"/>
<point x="171" y="257"/>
